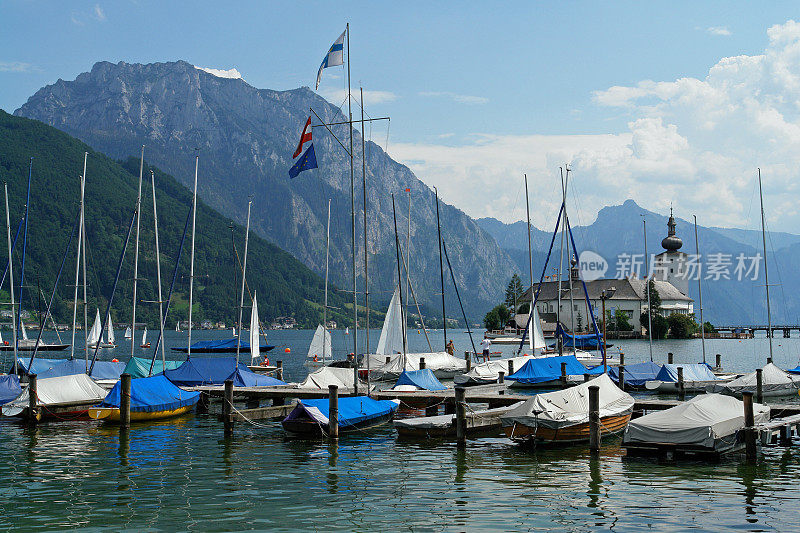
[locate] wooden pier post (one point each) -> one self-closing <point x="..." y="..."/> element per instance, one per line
<point x="355" y="375"/>
<point x="203" y="403"/>
<point x="750" y="432"/>
<point x="33" y="409"/>
<point x="564" y="374"/>
<point x="227" y="408"/>
<point x="422" y="363"/>
<point x="670" y="358"/>
<point x="501" y="377"/>
<point x="594" y="418"/>
<point x="621" y="383"/>
<point x="125" y="401"/>
<point x="759" y="385"/>
<point x="719" y="361"/>
<point x="586" y="377"/>
<point x="681" y="385"/>
<point x="621" y="359"/>
<point x="510" y="366"/>
<point x="279" y="369"/>
<point x="333" y="411"/>
<point x="468" y="359"/>
<point x="461" y="417"/>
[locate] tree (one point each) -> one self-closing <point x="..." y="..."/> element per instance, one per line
<point x="496" y="318"/>
<point x="660" y="326"/>
<point x="681" y="326"/>
<point x="524" y="308"/>
<point x="514" y="292"/>
<point x="708" y="327"/>
<point x="621" y="322"/>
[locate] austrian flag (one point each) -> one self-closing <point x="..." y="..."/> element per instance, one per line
<point x="308" y="160"/>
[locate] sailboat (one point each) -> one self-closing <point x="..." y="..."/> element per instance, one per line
<point x="144" y="344"/>
<point x="347" y="330"/>
<point x="94" y="340"/>
<point x="25" y="344"/>
<point x="128" y="333"/>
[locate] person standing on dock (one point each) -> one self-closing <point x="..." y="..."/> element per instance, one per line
<point x="485" y="345"/>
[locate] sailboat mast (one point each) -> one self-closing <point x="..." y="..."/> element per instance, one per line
<point x="530" y="250"/>
<point x="77" y="271"/>
<point x="325" y="306"/>
<point x="83" y="260"/>
<point x="700" y="293"/>
<point x="136" y="255"/>
<point x="647" y="288"/>
<point x="408" y="249"/>
<point x="441" y="268"/>
<point x="560" y="264"/>
<point x="191" y="261"/>
<point x="366" y="251"/>
<point x="25" y="239"/>
<point x="569" y="268"/>
<point x="158" y="273"/>
<point x="11" y="279"/>
<point x="352" y="199"/>
<point x="766" y="272"/>
<point x="244" y="278"/>
<point x="399" y="283"/>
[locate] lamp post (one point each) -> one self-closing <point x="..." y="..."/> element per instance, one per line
<point x="605" y="295"/>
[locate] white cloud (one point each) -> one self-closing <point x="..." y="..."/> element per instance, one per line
<point x="98" y="13"/>
<point x="459" y="98"/>
<point x="16" y="66"/>
<point x="719" y="30"/>
<point x="692" y="142"/>
<point x="232" y="74"/>
<point x="337" y="96"/>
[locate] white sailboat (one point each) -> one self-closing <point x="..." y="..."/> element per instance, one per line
<point x="144" y="344"/>
<point x="128" y="333"/>
<point x="94" y="339"/>
<point x="255" y="342"/>
<point x="111" y="338"/>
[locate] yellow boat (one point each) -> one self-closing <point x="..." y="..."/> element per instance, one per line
<point x="111" y="414"/>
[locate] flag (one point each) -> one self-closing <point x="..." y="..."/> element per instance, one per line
<point x="334" y="57"/>
<point x="304" y="138"/>
<point x="307" y="161"/>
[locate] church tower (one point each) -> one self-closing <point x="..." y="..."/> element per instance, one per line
<point x="670" y="265"/>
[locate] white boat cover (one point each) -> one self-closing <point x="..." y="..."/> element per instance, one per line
<point x="391" y="340"/>
<point x="62" y="389"/>
<point x="773" y="379"/>
<point x="447" y="421"/>
<point x="570" y="406"/>
<point x="254" y="340"/>
<point x="698" y="422"/>
<point x="441" y="363"/>
<point x="320" y="350"/>
<point x="328" y="375"/>
<point x="490" y="370"/>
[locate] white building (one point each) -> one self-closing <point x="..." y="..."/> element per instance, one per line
<point x="670" y="265"/>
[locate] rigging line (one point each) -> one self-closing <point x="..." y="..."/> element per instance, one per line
<point x="13" y="246"/>
<point x="455" y="286"/>
<point x="414" y="296"/>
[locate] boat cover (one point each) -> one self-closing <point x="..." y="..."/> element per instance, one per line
<point x="329" y="375"/>
<point x="691" y="372"/>
<point x="199" y="371"/>
<point x="637" y="374"/>
<point x="697" y="422"/>
<point x="436" y="361"/>
<point x="772" y="379"/>
<point x="68" y="367"/>
<point x="9" y="388"/>
<point x="588" y="341"/>
<point x="62" y="389"/>
<point x="424" y="379"/>
<point x="39" y="365"/>
<point x="541" y="369"/>
<point x="155" y="393"/>
<point x="795" y="370"/>
<point x="352" y="410"/>
<point x="443" y="422"/>
<point x="569" y="406"/>
<point x="223" y="345"/>
<point x="490" y="370"/>
<point x="139" y="367"/>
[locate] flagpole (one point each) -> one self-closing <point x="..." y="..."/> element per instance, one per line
<point x="352" y="206"/>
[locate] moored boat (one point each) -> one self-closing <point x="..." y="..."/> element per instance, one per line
<point x="58" y="398"/>
<point x="775" y="383"/>
<point x="310" y="417"/>
<point x="152" y="398"/>
<point x="696" y="377"/>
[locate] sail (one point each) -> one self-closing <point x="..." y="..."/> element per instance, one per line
<point x="254" y="342"/>
<point x="233" y="331"/>
<point x="320" y="347"/>
<point x="144" y="337"/>
<point x="111" y="339"/>
<point x="128" y="332"/>
<point x="24" y="331"/>
<point x="391" y="339"/>
<point x="94" y="333"/>
<point x="536" y="338"/>
<point x="1" y="338"/>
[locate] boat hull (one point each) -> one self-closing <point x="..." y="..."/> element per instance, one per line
<point x="263" y="348"/>
<point x="575" y="433"/>
<point x="112" y="414"/>
<point x="30" y="347"/>
<point x="310" y="428"/>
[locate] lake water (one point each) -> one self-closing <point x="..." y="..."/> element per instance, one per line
<point x="183" y="475"/>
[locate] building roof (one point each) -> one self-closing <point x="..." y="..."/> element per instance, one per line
<point x="626" y="289"/>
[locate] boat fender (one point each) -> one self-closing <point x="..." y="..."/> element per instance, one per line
<point x="115" y="360"/>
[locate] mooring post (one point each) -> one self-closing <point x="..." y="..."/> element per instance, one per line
<point x="564" y="374"/>
<point x="719" y="361"/>
<point x="125" y="401"/>
<point x="422" y="363"/>
<point x="769" y="360"/>
<point x="670" y="358"/>
<point x="594" y="418"/>
<point x="461" y="417"/>
<point x="510" y="367"/>
<point x="586" y="377"/>
<point x="501" y="377"/>
<point x="621" y="358"/>
<point x="203" y="403"/>
<point x="759" y="385"/>
<point x="468" y="359"/>
<point x="621" y="370"/>
<point x="279" y="369"/>
<point x="681" y="385"/>
<point x="750" y="432"/>
<point x="227" y="408"/>
<point x="333" y="411"/>
<point x="355" y="375"/>
<point x="33" y="396"/>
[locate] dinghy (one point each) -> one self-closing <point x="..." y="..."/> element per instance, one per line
<point x="696" y="377"/>
<point x="94" y="340"/>
<point x="708" y="423"/>
<point x="562" y="417"/>
<point x="59" y="398"/>
<point x="775" y="383"/>
<point x="144" y="344"/>
<point x="128" y="333"/>
<point x="319" y="350"/>
<point x="152" y="398"/>
<point x="310" y="417"/>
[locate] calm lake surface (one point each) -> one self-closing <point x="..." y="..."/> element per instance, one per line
<point x="183" y="475"/>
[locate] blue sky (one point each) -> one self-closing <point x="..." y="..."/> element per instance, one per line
<point x="478" y="93"/>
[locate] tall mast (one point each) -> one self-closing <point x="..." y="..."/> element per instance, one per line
<point x="560" y="264"/>
<point x="325" y="306"/>
<point x="569" y="267"/>
<point x="136" y="254"/>
<point x="700" y="293"/>
<point x="191" y="261"/>
<point x="647" y="288"/>
<point x="399" y="282"/>
<point x="366" y="253"/>
<point x="158" y="273"/>
<point x="441" y="268"/>
<point x="352" y="199"/>
<point x="766" y="272"/>
<point x="530" y="250"/>
<point x="25" y="240"/>
<point x="244" y="278"/>
<point x="83" y="261"/>
<point x="11" y="279"/>
<point x="77" y="267"/>
<point x="408" y="249"/>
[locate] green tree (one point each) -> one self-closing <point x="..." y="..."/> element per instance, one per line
<point x="524" y="308"/>
<point x="708" y="327"/>
<point x="681" y="326"/>
<point x="621" y="322"/>
<point x="660" y="326"/>
<point x="496" y="318"/>
<point x="514" y="292"/>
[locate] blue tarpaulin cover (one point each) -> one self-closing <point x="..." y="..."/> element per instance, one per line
<point x="795" y="370"/>
<point x="215" y="371"/>
<point x="584" y="342"/>
<point x="222" y="346"/>
<point x="691" y="372"/>
<point x="424" y="379"/>
<point x="139" y="367"/>
<point x="9" y="388"/>
<point x="39" y="365"/>
<point x="155" y="393"/>
<point x="69" y="367"/>
<point x="352" y="410"/>
<point x="637" y="374"/>
<point x="542" y="369"/>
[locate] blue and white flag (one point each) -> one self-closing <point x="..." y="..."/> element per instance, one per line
<point x="307" y="161"/>
<point x="333" y="58"/>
